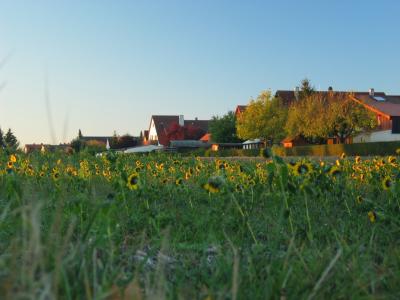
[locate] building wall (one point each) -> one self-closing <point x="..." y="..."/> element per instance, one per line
<point x="152" y="132"/>
<point x="377" y="136"/>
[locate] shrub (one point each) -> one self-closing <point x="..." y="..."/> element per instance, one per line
<point x="363" y="149"/>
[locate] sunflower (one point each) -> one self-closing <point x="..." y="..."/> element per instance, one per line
<point x="359" y="199"/>
<point x="391" y="159"/>
<point x="372" y="216"/>
<point x="179" y="181"/>
<point x="13" y="158"/>
<point x="10" y="164"/>
<point x="335" y="171"/>
<point x="213" y="185"/>
<point x="56" y="175"/>
<point x="291" y="164"/>
<point x="357" y="159"/>
<point x="302" y="168"/>
<point x="343" y="156"/>
<point x="221" y="166"/>
<point x="239" y="187"/>
<point x="387" y="183"/>
<point x="133" y="181"/>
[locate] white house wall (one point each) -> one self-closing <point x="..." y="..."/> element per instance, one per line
<point x="378" y="136"/>
<point x="152" y="131"/>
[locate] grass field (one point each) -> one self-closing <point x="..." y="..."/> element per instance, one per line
<point x="156" y="227"/>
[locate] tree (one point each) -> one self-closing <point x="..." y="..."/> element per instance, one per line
<point x="223" y="129"/>
<point x="308" y="119"/>
<point x="348" y="118"/>
<point x="10" y="140"/>
<point x="306" y="88"/>
<point x="125" y="141"/>
<point x="2" y="143"/>
<point x="323" y="115"/>
<point x="77" y="144"/>
<point x="80" y="136"/>
<point x="263" y="118"/>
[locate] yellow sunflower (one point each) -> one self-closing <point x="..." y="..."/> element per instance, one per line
<point x="179" y="181"/>
<point x="213" y="185"/>
<point x="392" y="159"/>
<point x="359" y="199"/>
<point x="335" y="171"/>
<point x="13" y="158"/>
<point x="133" y="181"/>
<point x="372" y="216"/>
<point x="55" y="175"/>
<point x="386" y="183"/>
<point x="302" y="168"/>
<point x="357" y="159"/>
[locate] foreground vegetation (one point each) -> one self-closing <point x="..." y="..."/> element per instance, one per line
<point x="168" y="227"/>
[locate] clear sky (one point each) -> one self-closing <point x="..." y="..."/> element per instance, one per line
<point x="110" y="65"/>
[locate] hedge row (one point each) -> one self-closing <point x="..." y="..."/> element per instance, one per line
<point x="362" y="149"/>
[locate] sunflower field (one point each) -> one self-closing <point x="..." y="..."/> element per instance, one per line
<point x="169" y="227"/>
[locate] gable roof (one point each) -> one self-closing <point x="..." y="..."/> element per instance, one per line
<point x="162" y="123"/>
<point x="202" y="124"/>
<point x="240" y="109"/>
<point x="389" y="108"/>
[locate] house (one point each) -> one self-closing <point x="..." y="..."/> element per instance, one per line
<point x="239" y="110"/>
<point x="290" y="142"/>
<point x="385" y="107"/>
<point x="160" y="126"/>
<point x="29" y="148"/>
<point x="387" y="111"/>
<point x="253" y="144"/>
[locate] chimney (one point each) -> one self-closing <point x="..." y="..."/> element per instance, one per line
<point x="196" y="119"/>
<point x="371" y="92"/>
<point x="297" y="92"/>
<point x="181" y="120"/>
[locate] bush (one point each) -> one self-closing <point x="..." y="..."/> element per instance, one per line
<point x="232" y="152"/>
<point x="362" y="149"/>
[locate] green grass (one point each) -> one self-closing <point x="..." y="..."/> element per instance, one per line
<point x="267" y="233"/>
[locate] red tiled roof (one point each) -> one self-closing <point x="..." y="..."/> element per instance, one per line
<point x="202" y="124"/>
<point x="240" y="109"/>
<point x="162" y="124"/>
<point x="390" y="107"/>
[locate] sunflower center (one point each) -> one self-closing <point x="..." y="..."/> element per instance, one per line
<point x="134" y="180"/>
<point x="303" y="169"/>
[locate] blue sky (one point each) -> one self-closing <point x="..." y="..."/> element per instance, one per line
<point x="112" y="64"/>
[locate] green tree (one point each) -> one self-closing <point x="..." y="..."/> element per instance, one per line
<point x="10" y="140"/>
<point x="263" y="118"/>
<point x="308" y="118"/>
<point x="2" y="143"/>
<point x="306" y="89"/>
<point x="348" y="118"/>
<point x="323" y="115"/>
<point x="223" y="129"/>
